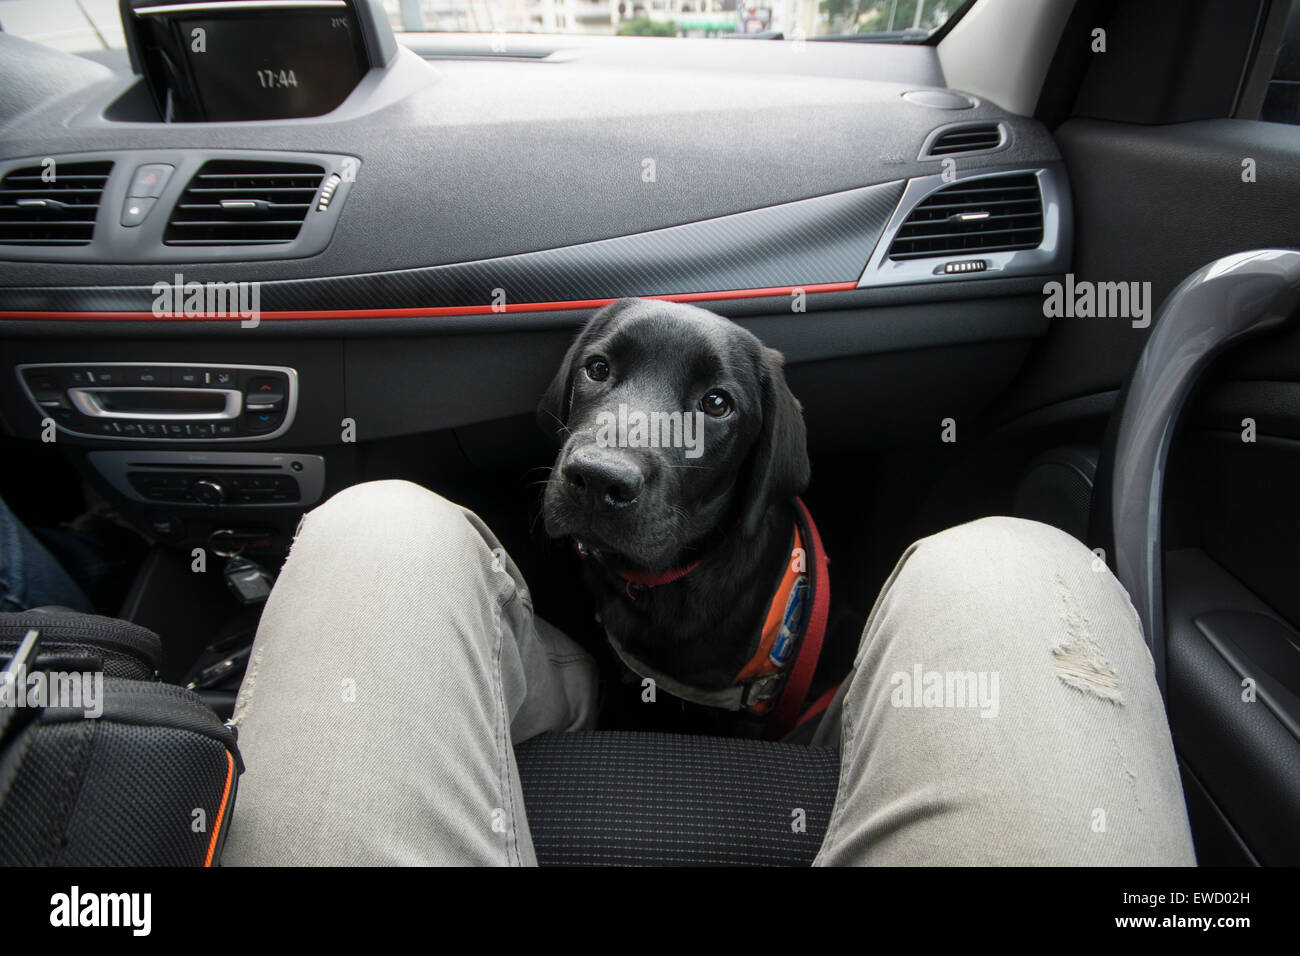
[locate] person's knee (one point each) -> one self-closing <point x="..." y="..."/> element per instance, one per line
<point x="390" y="518"/>
<point x="398" y="522"/>
<point x="386" y="503"/>
<point x="1007" y="547"/>
<point x="997" y="573"/>
<point x="392" y="495"/>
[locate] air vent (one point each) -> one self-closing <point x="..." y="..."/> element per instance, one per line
<point x="244" y="203"/>
<point x="966" y="139"/>
<point x="990" y="214"/>
<point x="51" y="206"/>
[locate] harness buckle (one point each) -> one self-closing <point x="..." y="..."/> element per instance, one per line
<point x="762" y="689"/>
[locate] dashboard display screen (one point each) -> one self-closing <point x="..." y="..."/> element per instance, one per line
<point x="271" y="66"/>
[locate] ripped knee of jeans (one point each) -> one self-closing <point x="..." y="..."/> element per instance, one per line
<point x="1079" y="660"/>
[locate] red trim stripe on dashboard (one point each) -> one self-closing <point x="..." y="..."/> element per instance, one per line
<point x="33" y="315"/>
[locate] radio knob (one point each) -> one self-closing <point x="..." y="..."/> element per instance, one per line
<point x="207" y="492"/>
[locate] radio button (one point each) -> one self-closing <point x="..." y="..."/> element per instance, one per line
<point x="208" y="492"/>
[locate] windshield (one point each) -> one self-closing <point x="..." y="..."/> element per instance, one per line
<point x="81" y="26"/>
<point x="879" y="19"/>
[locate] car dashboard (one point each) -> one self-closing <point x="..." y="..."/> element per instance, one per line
<point x="190" y="309"/>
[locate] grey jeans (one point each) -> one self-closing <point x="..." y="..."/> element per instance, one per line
<point x="1001" y="710"/>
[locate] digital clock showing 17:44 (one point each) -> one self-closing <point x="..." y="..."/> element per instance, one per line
<point x="277" y="79"/>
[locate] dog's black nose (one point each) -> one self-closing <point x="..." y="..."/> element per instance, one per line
<point x="607" y="481"/>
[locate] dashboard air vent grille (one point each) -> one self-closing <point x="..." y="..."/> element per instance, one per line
<point x="966" y="139"/>
<point x="244" y="203"/>
<point x="51" y="206"/>
<point x="991" y="214"/>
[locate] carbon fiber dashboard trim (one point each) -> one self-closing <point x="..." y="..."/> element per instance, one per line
<point x="819" y="241"/>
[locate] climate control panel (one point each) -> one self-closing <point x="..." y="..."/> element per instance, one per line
<point x="164" y="401"/>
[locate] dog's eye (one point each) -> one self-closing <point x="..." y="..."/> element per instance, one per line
<point x="597" y="369"/>
<point x="716" y="404"/>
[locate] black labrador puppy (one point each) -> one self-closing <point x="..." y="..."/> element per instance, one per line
<point x="682" y="453"/>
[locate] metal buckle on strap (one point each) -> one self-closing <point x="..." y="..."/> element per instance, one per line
<point x="762" y="689"/>
<point x="23" y="658"/>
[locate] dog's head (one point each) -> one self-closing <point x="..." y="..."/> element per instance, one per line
<point x="672" y="421"/>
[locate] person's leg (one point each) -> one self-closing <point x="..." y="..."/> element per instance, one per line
<point x="29" y="574"/>
<point x="397" y="663"/>
<point x="1003" y="710"/>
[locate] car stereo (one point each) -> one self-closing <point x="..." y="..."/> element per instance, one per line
<point x="236" y="60"/>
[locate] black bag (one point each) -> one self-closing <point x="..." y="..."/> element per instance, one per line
<point x="118" y="648"/>
<point x="134" y="773"/>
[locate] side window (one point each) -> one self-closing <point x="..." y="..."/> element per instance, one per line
<point x="1282" y="99"/>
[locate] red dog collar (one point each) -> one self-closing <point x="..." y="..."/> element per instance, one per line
<point x="645" y="579"/>
<point x="654" y="580"/>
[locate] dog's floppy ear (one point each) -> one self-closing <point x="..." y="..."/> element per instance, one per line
<point x="553" y="410"/>
<point x="779" y="467"/>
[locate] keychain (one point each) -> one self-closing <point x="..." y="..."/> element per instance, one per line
<point x="247" y="580"/>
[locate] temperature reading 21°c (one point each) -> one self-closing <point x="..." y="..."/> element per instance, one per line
<point x="277" y="79"/>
